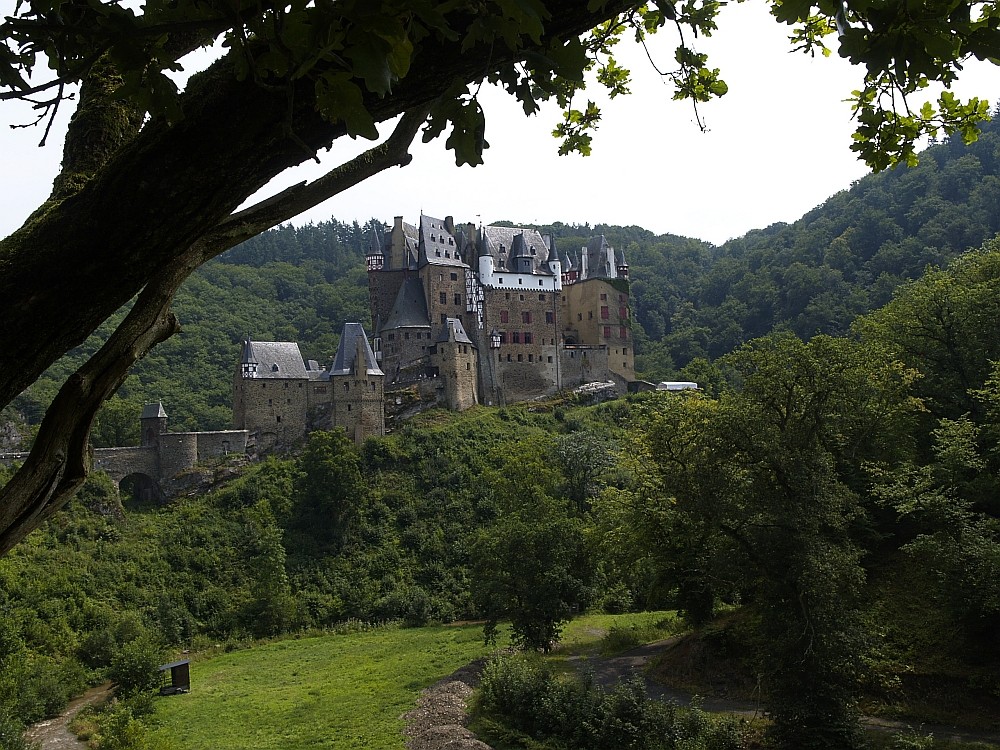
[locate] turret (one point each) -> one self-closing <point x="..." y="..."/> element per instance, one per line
<point x="153" y="423"/>
<point x="248" y="363"/>
<point x="521" y="255"/>
<point x="375" y="255"/>
<point x="622" y="266"/>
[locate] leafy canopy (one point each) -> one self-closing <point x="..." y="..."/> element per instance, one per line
<point x="350" y="50"/>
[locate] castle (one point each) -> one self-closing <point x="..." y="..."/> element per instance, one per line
<point x="461" y="316"/>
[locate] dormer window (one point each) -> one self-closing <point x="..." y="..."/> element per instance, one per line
<point x="274" y="367"/>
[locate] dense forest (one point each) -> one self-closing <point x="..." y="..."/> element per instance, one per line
<point x="825" y="510"/>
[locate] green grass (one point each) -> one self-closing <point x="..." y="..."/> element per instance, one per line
<point x="346" y="691"/>
<point x="610" y="634"/>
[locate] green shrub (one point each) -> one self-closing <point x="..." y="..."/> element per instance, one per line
<point x="135" y="668"/>
<point x="524" y="696"/>
<point x="11" y="731"/>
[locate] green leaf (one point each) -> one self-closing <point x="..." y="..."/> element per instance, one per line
<point x="339" y="99"/>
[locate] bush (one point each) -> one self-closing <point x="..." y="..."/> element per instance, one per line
<point x="135" y="668"/>
<point x="521" y="694"/>
<point x="11" y="731"/>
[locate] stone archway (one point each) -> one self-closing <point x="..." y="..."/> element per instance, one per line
<point x="138" y="488"/>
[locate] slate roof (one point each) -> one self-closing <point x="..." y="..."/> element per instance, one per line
<point x="345" y="360"/>
<point x="437" y="245"/>
<point x="598" y="257"/>
<point x="376" y="241"/>
<point x="453" y="326"/>
<point x="410" y="308"/>
<point x="275" y="359"/>
<point x="500" y="241"/>
<point x="153" y="411"/>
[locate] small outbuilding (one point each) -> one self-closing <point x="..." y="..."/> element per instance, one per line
<point x="175" y="677"/>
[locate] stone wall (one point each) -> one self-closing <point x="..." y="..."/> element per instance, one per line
<point x="121" y="462"/>
<point x="178" y="451"/>
<point x="220" y="443"/>
<point x="272" y="406"/>
<point x="583" y="364"/>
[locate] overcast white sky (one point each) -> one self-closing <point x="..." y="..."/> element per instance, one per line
<point x="778" y="145"/>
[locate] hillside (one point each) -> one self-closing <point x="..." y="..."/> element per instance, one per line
<point x="690" y="299"/>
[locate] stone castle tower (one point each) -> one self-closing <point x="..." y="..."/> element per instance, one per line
<point x="279" y="397"/>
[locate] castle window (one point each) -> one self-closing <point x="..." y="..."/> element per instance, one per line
<point x="550" y="317"/>
<point x="288" y="401"/>
<point x="468" y="366"/>
<point x="270" y="402"/>
<point x="531" y="357"/>
<point x="625" y="350"/>
<point x="451" y="241"/>
<point x="520" y="357"/>
<point x="500" y="280"/>
<point x="603" y="297"/>
<point x="286" y="385"/>
<point x="503" y="337"/>
<point x="443" y="298"/>
<point x="526" y="316"/>
<point x="348" y="407"/>
<point x="454" y="277"/>
<point x="300" y="385"/>
<point x="517" y="337"/>
<point x="508" y="358"/>
<point x="623" y="332"/>
<point x="279" y="418"/>
<point x="520" y="281"/>
<point x="590" y="314"/>
<point x="500" y="357"/>
<point x="347" y="387"/>
<point x="550" y="360"/>
<point x="433" y="238"/>
<point x="406" y="335"/>
<point x="458" y="299"/>
<point x="607" y="332"/>
<point x="527" y="337"/>
<point x="444" y="318"/>
<point x="506" y="294"/>
<point x="437" y="253"/>
<point x="521" y="297"/>
<point x="263" y="385"/>
<point x="540" y="282"/>
<point x="579" y="316"/>
<point x="604" y="312"/>
<point x="541" y="297"/>
<point x="504" y="316"/>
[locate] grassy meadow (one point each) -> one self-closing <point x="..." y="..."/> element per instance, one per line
<point x="337" y="691"/>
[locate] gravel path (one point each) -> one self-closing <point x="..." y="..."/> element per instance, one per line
<point x="54" y="734"/>
<point x="438" y="720"/>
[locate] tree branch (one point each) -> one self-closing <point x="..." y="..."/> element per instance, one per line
<point x="291" y="202"/>
<point x="60" y="457"/>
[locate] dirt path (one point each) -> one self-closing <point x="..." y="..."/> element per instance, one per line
<point x="53" y="734"/>
<point x="438" y="720"/>
<point x="608" y="671"/>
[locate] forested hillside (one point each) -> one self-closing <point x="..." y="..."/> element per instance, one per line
<point x="834" y="500"/>
<point x="691" y="300"/>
